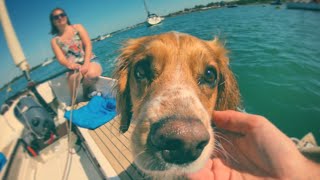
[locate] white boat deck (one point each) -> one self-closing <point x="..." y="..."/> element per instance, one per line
<point x="115" y="148"/>
<point x="63" y="159"/>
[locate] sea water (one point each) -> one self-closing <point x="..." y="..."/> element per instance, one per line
<point x="274" y="53"/>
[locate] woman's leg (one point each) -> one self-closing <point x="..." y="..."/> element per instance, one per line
<point x="94" y="71"/>
<point x="73" y="82"/>
<point x="91" y="77"/>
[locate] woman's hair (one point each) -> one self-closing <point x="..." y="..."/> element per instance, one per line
<point x="54" y="29"/>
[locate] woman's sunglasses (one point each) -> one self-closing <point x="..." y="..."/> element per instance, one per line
<point x="58" y="16"/>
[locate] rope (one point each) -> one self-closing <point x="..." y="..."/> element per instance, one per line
<point x="74" y="94"/>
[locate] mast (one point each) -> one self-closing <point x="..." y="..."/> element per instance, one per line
<point x="146" y="7"/>
<point x="17" y="53"/>
<point x="13" y="42"/>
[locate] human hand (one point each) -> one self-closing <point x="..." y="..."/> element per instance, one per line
<point x="253" y="148"/>
<point x="84" y="68"/>
<point x="73" y="66"/>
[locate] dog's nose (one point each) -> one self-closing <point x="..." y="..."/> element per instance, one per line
<point x="180" y="141"/>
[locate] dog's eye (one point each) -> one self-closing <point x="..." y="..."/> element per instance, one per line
<point x="142" y="71"/>
<point x="209" y="76"/>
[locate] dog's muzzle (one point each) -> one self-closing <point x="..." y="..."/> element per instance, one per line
<point x="179" y="140"/>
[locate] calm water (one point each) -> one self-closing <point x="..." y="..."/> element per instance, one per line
<point x="275" y="54"/>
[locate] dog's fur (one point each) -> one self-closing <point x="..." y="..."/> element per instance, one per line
<point x="172" y="66"/>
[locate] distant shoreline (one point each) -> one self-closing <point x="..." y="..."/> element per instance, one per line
<point x="197" y="8"/>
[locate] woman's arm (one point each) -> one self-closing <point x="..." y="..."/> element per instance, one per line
<point x="87" y="48"/>
<point x="86" y="42"/>
<point x="61" y="57"/>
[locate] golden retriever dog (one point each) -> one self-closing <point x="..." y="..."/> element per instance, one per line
<point x="168" y="86"/>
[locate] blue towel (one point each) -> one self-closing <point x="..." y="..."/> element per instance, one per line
<point x="97" y="112"/>
<point x="3" y="160"/>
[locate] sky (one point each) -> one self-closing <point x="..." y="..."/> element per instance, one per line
<point x="30" y="19"/>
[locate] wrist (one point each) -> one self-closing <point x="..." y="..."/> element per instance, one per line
<point x="86" y="62"/>
<point x="307" y="169"/>
<point x="313" y="170"/>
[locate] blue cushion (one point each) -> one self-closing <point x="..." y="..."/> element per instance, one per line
<point x="97" y="112"/>
<point x="3" y="160"/>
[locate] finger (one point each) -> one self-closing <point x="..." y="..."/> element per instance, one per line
<point x="204" y="173"/>
<point x="220" y="169"/>
<point x="235" y="121"/>
<point x="70" y="67"/>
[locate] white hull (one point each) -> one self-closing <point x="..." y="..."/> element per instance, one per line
<point x="154" y="20"/>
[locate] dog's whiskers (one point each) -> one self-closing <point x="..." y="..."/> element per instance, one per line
<point x="148" y="161"/>
<point x="223" y="153"/>
<point x="221" y="150"/>
<point x="219" y="135"/>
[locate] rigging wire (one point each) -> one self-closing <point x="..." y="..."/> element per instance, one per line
<point x="74" y="93"/>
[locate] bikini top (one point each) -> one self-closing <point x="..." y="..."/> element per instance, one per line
<point x="73" y="48"/>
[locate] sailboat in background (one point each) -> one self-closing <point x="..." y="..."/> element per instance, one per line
<point x="152" y="18"/>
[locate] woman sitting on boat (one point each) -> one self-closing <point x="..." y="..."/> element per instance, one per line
<point x="72" y="47"/>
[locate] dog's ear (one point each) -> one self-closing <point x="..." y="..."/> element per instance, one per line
<point x="122" y="74"/>
<point x="228" y="91"/>
<point x="123" y="96"/>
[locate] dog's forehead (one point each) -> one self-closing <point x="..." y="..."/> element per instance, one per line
<point x="177" y="44"/>
<point x="175" y="40"/>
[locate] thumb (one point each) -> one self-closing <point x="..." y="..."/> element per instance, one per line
<point x="234" y="121"/>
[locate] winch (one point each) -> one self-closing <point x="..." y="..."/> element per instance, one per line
<point x="40" y="129"/>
